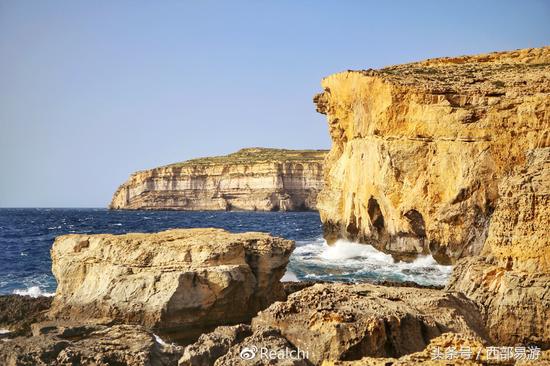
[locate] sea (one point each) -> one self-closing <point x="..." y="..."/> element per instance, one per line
<point x="27" y="235"/>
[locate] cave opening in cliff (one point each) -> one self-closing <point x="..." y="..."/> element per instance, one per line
<point x="375" y="215"/>
<point x="416" y="221"/>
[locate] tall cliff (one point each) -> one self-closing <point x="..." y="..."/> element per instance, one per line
<point x="250" y="179"/>
<point x="419" y="149"/>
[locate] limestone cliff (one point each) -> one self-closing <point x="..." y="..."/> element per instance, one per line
<point x="250" y="179"/>
<point x="512" y="281"/>
<point x="419" y="149"/>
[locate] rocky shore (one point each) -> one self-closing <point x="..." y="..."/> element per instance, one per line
<point x="250" y="179"/>
<point x="448" y="156"/>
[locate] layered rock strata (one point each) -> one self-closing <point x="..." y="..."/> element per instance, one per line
<point x="250" y="179"/>
<point x="180" y="283"/>
<point x="419" y="149"/>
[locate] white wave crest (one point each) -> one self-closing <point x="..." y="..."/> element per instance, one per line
<point x="348" y="261"/>
<point x="343" y="250"/>
<point x="33" y="291"/>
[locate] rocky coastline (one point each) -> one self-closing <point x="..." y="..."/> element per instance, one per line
<point x="252" y="179"/>
<point x="419" y="150"/>
<point x="449" y="157"/>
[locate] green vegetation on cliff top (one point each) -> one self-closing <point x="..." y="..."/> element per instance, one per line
<point x="255" y="155"/>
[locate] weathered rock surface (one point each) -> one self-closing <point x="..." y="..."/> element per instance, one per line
<point x="250" y="179"/>
<point x="426" y="357"/>
<point x="419" y="149"/>
<point x="240" y="345"/>
<point x="348" y="322"/>
<point x="17" y="313"/>
<point x="515" y="304"/>
<point x="269" y="347"/>
<point x="97" y="345"/>
<point x="512" y="284"/>
<point x="211" y="346"/>
<point x="519" y="234"/>
<point x="180" y="283"/>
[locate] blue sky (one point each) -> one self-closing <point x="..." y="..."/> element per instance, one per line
<point x="91" y="91"/>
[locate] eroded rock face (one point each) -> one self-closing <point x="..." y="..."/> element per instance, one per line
<point x="180" y="283"/>
<point x="211" y="346"/>
<point x="250" y="179"/>
<point x="17" y="313"/>
<point x="519" y="232"/>
<point x="515" y="304"/>
<point x="426" y="356"/>
<point x="419" y="149"/>
<point x="282" y="352"/>
<point x="348" y="322"/>
<point x="512" y="284"/>
<point x="123" y="345"/>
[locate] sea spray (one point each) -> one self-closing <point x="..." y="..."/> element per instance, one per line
<point x="33" y="291"/>
<point x="353" y="262"/>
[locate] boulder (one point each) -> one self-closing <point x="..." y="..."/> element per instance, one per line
<point x="211" y="346"/>
<point x="180" y="283"/>
<point x="17" y="313"/>
<point x="239" y="345"/>
<point x="123" y="345"/>
<point x="351" y="321"/>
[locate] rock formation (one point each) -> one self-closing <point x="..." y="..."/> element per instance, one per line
<point x="179" y="283"/>
<point x="348" y="322"/>
<point x="420" y="149"/>
<point x="128" y="345"/>
<point x="447" y="156"/>
<point x="512" y="281"/>
<point x="250" y="179"/>
<point x="17" y="313"/>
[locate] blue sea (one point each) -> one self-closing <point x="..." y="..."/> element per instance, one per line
<point x="26" y="236"/>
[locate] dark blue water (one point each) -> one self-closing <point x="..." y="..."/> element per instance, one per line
<point x="26" y="236"/>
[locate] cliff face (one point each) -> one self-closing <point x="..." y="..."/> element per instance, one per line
<point x="419" y="149"/>
<point x="250" y="179"/>
<point x="512" y="281"/>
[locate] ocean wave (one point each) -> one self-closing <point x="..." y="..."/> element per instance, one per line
<point x="354" y="262"/>
<point x="33" y="291"/>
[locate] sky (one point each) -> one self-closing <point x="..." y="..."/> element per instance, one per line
<point x="91" y="91"/>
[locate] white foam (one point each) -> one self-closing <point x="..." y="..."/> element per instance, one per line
<point x="343" y="250"/>
<point x="290" y="276"/>
<point x="345" y="260"/>
<point x="4" y="331"/>
<point x="33" y="291"/>
<point x="160" y="341"/>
